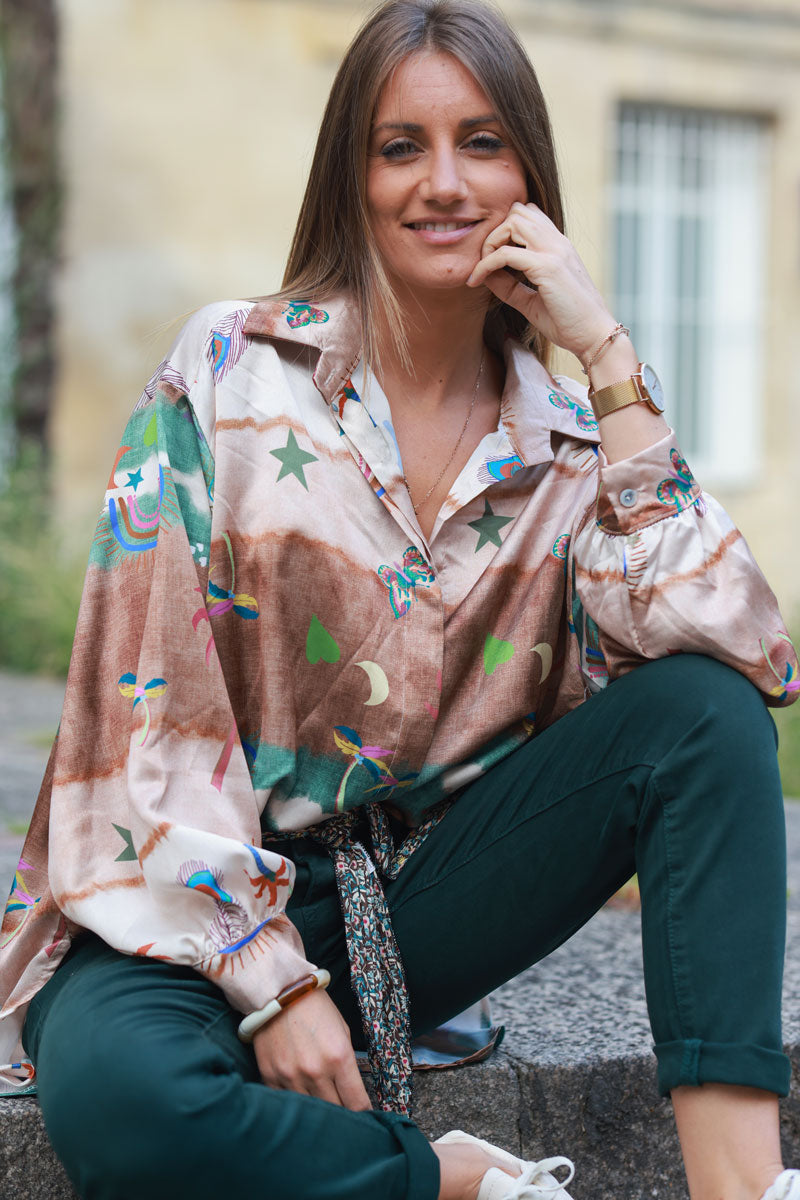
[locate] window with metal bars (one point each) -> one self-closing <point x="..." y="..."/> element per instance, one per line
<point x="689" y="205"/>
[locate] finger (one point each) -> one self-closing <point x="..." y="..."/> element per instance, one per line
<point x="324" y="1088"/>
<point x="499" y="236"/>
<point x="508" y="289"/>
<point x="350" y="1087"/>
<point x="506" y="256"/>
<point x="525" y="225"/>
<point x="321" y="1086"/>
<point x="517" y="295"/>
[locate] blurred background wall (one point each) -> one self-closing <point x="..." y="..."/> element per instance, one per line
<point x="185" y="128"/>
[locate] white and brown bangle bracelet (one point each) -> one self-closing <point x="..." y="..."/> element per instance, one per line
<point x="251" y="1024"/>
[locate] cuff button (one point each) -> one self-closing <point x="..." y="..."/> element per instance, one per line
<point x="627" y="498"/>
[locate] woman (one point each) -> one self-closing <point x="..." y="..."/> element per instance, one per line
<point x="352" y="558"/>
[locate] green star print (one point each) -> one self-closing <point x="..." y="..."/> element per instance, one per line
<point x="293" y="460"/>
<point x="488" y="527"/>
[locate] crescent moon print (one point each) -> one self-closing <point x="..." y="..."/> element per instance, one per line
<point x="378" y="681"/>
<point x="545" y="652"/>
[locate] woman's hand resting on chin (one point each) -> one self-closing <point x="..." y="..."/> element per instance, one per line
<point x="307" y="1049"/>
<point x="565" y="306"/>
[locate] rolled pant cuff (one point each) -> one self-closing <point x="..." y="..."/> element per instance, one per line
<point x="423" y="1162"/>
<point x="692" y="1062"/>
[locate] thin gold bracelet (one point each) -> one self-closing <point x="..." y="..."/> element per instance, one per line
<point x="607" y="340"/>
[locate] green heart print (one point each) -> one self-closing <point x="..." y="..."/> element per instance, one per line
<point x="495" y="653"/>
<point x="151" y="432"/>
<point x="320" y="644"/>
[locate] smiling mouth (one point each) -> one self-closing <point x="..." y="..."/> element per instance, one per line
<point x="440" y="226"/>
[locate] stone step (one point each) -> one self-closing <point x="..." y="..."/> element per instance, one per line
<point x="575" y="1075"/>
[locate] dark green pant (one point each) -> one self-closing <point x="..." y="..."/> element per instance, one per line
<point x="670" y="772"/>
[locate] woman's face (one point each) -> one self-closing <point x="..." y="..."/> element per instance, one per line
<point x="440" y="173"/>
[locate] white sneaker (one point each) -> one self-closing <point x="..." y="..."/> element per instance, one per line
<point x="785" y="1187"/>
<point x="532" y="1180"/>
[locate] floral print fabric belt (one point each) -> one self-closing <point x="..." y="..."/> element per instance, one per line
<point x="376" y="969"/>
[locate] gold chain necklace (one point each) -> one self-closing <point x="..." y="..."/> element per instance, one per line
<point x="440" y="476"/>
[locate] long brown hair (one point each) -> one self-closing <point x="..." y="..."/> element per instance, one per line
<point x="333" y="247"/>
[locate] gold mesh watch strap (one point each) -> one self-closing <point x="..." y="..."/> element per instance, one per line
<point x="617" y="395"/>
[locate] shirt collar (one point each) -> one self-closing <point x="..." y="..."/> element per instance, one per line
<point x="535" y="404"/>
<point x="333" y="328"/>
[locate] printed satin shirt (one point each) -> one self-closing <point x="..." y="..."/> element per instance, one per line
<point x="267" y="639"/>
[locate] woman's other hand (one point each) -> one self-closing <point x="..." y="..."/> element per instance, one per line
<point x="307" y="1049"/>
<point x="558" y="296"/>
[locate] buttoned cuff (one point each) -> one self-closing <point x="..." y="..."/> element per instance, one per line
<point x="647" y="487"/>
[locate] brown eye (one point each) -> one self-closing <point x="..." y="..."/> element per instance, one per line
<point x="402" y="148"/>
<point x="485" y="141"/>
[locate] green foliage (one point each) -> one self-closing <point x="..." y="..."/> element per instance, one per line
<point x="40" y="585"/>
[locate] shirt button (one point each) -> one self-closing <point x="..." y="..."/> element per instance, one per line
<point x="627" y="498"/>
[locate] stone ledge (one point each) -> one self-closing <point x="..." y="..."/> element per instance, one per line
<point x="607" y="1117"/>
<point x="574" y="1076"/>
<point x="29" y="1170"/>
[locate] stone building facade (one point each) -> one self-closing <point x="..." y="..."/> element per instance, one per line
<point x="187" y="130"/>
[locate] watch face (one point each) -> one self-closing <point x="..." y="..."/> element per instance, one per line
<point x="654" y="388"/>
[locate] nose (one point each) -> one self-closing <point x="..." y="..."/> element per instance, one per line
<point x="444" y="181"/>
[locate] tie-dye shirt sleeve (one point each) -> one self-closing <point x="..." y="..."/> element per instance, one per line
<point x="148" y="776"/>
<point x="660" y="568"/>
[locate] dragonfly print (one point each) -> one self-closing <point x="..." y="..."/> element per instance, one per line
<point x="370" y="757"/>
<point x="222" y="600"/>
<point x="402" y="579"/>
<point x="141" y="695"/>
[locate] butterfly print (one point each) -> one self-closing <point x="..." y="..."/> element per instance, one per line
<point x="678" y="489"/>
<point x="584" y="417"/>
<point x="298" y="315"/>
<point x="402" y="580"/>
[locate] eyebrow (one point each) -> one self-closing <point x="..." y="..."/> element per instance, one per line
<point x="411" y="127"/>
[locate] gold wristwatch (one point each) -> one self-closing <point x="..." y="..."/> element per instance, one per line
<point x="643" y="387"/>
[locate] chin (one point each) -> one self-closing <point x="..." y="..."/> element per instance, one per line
<point x="438" y="281"/>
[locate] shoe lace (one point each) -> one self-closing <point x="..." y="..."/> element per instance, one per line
<point x="526" y="1187"/>
<point x="786" y="1186"/>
